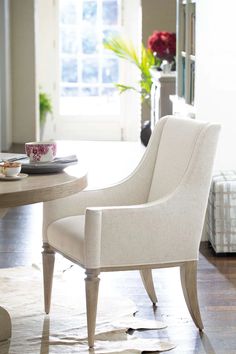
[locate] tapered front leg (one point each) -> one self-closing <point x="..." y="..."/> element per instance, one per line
<point x="188" y="273"/>
<point x="91" y="286"/>
<point x="48" y="267"/>
<point x="146" y="276"/>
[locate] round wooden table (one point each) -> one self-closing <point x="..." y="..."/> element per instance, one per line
<point x="34" y="189"/>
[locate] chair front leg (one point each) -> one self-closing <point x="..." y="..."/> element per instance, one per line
<point x="146" y="276"/>
<point x="188" y="275"/>
<point x="92" y="287"/>
<point x="48" y="266"/>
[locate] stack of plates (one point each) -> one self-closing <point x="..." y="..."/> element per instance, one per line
<point x="57" y="165"/>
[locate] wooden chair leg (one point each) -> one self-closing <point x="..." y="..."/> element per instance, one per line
<point x="188" y="274"/>
<point x="146" y="276"/>
<point x="91" y="286"/>
<point x="48" y="266"/>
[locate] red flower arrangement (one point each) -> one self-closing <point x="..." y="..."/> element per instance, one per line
<point x="163" y="45"/>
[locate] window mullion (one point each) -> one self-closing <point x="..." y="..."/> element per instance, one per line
<point x="99" y="31"/>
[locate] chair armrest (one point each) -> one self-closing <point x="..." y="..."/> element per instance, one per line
<point x="118" y="194"/>
<point x="165" y="230"/>
<point x="124" y="193"/>
<point x="151" y="233"/>
<point x="132" y="190"/>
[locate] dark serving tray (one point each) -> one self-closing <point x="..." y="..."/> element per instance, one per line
<point x="57" y="165"/>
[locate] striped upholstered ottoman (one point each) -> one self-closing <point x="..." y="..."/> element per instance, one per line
<point x="221" y="212"/>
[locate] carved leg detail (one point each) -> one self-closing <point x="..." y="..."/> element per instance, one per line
<point x="91" y="286"/>
<point x="188" y="274"/>
<point x="48" y="267"/>
<point x="146" y="276"/>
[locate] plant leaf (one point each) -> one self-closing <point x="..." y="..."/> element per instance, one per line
<point x="143" y="61"/>
<point x="122" y="88"/>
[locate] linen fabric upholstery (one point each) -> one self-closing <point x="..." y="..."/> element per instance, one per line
<point x="154" y="216"/>
<point x="74" y="227"/>
<point x="132" y="190"/>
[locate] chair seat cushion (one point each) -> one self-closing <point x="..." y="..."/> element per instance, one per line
<point x="67" y="236"/>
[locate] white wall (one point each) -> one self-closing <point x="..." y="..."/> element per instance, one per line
<point x="216" y="73"/>
<point x="5" y="78"/>
<point x="24" y="79"/>
<point x="1" y="66"/>
<point x="47" y="58"/>
<point x="159" y="15"/>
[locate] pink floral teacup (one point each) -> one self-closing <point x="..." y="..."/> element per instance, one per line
<point x="41" y="151"/>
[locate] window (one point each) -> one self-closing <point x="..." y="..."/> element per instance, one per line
<point x="79" y="75"/>
<point x="88" y="71"/>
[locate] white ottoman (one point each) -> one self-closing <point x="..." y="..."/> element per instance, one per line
<point x="221" y="212"/>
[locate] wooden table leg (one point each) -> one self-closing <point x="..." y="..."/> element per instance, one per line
<point x="5" y="320"/>
<point x="5" y="324"/>
<point x="3" y="212"/>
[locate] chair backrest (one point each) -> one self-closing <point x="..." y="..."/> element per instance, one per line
<point x="180" y="138"/>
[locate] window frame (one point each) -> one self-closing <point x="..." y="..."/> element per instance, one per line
<point x="125" y="126"/>
<point x="99" y="56"/>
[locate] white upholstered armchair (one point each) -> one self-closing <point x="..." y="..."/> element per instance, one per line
<point x="153" y="218"/>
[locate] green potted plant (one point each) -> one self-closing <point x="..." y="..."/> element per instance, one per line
<point x="160" y="50"/>
<point x="161" y="47"/>
<point x="143" y="61"/>
<point x="45" y="107"/>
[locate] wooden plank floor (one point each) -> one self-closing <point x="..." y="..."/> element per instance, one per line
<point x="20" y="244"/>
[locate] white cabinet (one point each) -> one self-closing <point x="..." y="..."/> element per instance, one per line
<point x="163" y="86"/>
<point x="183" y="103"/>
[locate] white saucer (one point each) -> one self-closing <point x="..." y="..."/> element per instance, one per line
<point x="13" y="178"/>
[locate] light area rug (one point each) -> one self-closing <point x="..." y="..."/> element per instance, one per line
<point x="65" y="330"/>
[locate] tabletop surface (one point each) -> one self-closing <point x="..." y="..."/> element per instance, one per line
<point x="42" y="187"/>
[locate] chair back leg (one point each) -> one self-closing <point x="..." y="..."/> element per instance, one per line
<point x="91" y="287"/>
<point x="188" y="274"/>
<point x="146" y="276"/>
<point x="48" y="266"/>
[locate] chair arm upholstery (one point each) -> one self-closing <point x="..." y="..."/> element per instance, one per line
<point x="119" y="194"/>
<point x="132" y="190"/>
<point x="130" y="230"/>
